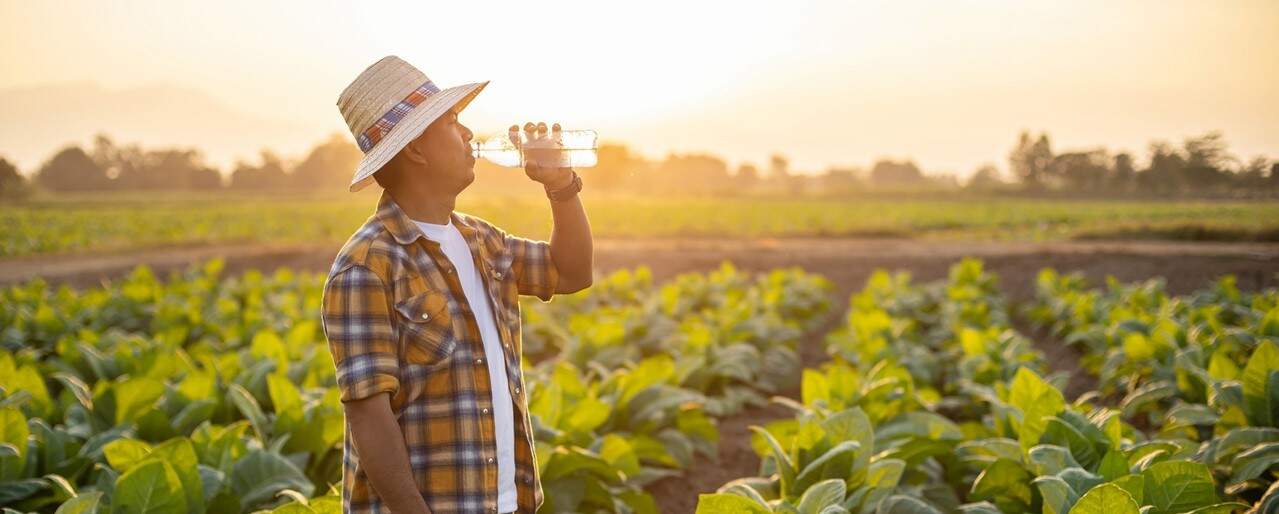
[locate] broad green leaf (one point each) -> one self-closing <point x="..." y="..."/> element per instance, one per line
<point x="1241" y="439"/>
<point x="615" y="450"/>
<point x="150" y="487"/>
<point x="1191" y="414"/>
<point x="979" y="508"/>
<point x="853" y="425"/>
<point x="885" y="473"/>
<point x="249" y="408"/>
<point x="972" y="342"/>
<point x="749" y="487"/>
<point x="286" y="401"/>
<point x="1080" y="479"/>
<point x="135" y="397"/>
<point x="1105" y="499"/>
<point x="28" y="380"/>
<point x="729" y="504"/>
<point x="814" y="387"/>
<point x="1050" y="459"/>
<point x="12" y="491"/>
<point x="61" y="489"/>
<point x="587" y="414"/>
<point x="1254" y="462"/>
<point x="1259" y="397"/>
<point x="821" y="495"/>
<point x="221" y="447"/>
<point x="327" y="505"/>
<point x="267" y="345"/>
<point x="1113" y="465"/>
<point x="14" y="432"/>
<point x="260" y="475"/>
<point x="1006" y="483"/>
<point x="574" y="461"/>
<point x="122" y="454"/>
<point x="1036" y="400"/>
<point x="1135" y="485"/>
<point x="1221" y="508"/>
<point x="85" y="503"/>
<point x="293" y="508"/>
<point x="900" y="504"/>
<point x="192" y="415"/>
<point x="1138" y="347"/>
<point x="989" y="449"/>
<point x="1058" y="496"/>
<point x="179" y="453"/>
<point x="1147" y="394"/>
<point x="1060" y="433"/>
<point x="649" y="372"/>
<point x="1221" y="367"/>
<point x="835" y="463"/>
<point x="1178" y="486"/>
<point x="785" y="466"/>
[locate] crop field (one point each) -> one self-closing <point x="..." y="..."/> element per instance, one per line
<point x="76" y="224"/>
<point x="209" y="392"/>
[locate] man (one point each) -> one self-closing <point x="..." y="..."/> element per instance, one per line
<point x="421" y="310"/>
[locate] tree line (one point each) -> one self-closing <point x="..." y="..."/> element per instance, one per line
<point x="1200" y="166"/>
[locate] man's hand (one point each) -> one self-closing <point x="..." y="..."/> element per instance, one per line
<point x="542" y="156"/>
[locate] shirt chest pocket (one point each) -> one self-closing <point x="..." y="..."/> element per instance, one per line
<point x="426" y="328"/>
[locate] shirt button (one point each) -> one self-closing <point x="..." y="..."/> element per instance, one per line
<point x="528" y="480"/>
<point x="491" y="460"/>
<point x="479" y="360"/>
<point x="425" y="316"/>
<point x="484" y="410"/>
<point x="517" y="390"/>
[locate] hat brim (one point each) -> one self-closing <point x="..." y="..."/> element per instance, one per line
<point x="410" y="127"/>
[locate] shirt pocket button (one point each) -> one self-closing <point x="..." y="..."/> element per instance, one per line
<point x="426" y="332"/>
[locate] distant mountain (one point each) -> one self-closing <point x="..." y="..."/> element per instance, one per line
<point x="37" y="121"/>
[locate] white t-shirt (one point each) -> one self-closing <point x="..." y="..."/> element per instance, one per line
<point x="459" y="253"/>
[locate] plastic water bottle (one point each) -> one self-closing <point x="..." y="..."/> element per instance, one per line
<point x="559" y="148"/>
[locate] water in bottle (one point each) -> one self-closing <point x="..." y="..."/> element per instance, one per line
<point x="558" y="148"/>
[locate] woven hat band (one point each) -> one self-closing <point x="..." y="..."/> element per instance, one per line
<point x="370" y="137"/>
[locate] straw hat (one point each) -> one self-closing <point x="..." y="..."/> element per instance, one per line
<point x="390" y="104"/>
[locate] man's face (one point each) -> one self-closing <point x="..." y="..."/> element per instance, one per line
<point x="445" y="146"/>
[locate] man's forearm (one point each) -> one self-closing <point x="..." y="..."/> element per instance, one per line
<point x="383" y="456"/>
<point x="571" y="246"/>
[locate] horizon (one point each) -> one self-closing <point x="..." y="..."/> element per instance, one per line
<point x="949" y="87"/>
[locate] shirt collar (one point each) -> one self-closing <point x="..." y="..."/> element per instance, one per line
<point x="402" y="227"/>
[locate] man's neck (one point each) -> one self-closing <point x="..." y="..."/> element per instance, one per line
<point x="425" y="206"/>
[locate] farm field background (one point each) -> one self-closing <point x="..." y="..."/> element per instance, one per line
<point x="72" y="223"/>
<point x="214" y="393"/>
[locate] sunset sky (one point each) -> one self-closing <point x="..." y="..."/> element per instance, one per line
<point x="831" y="83"/>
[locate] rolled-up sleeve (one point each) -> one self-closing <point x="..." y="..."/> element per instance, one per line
<point x="534" y="270"/>
<point x="358" y="326"/>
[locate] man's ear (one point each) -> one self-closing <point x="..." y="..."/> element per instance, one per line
<point x="413" y="154"/>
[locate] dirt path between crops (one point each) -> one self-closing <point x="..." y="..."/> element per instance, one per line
<point x="847" y="262"/>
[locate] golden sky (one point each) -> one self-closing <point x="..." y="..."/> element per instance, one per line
<point x="949" y="83"/>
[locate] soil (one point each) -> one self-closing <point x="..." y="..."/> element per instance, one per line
<point x="846" y="262"/>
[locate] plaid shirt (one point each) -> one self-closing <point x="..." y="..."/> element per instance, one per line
<point x="397" y="322"/>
